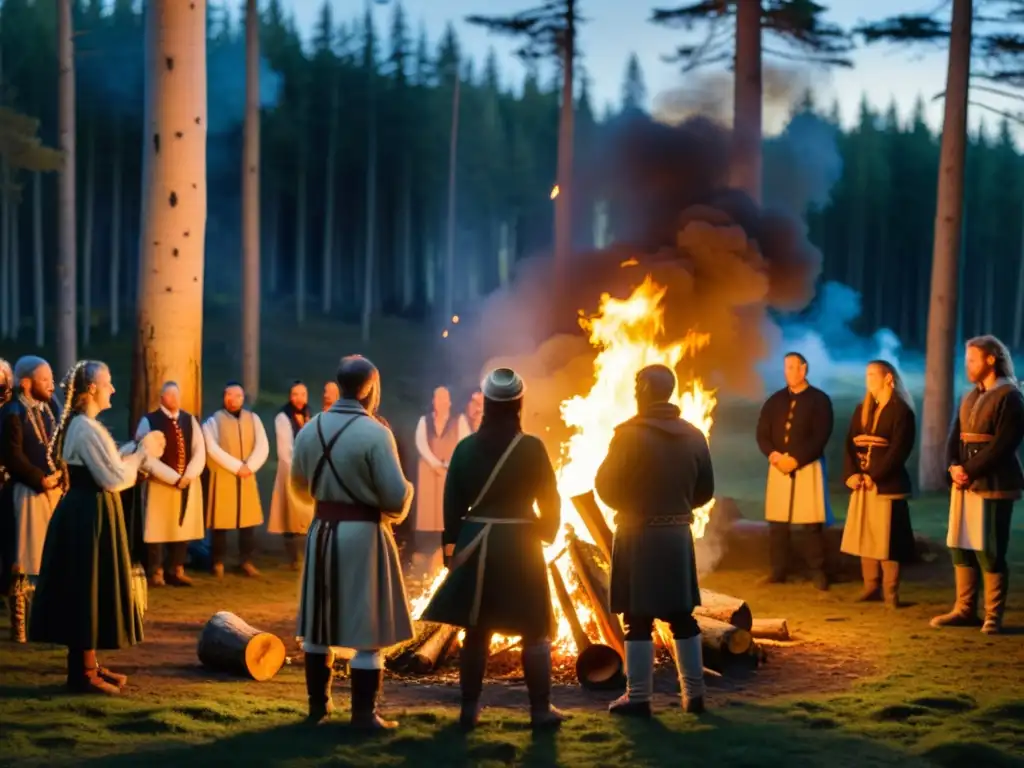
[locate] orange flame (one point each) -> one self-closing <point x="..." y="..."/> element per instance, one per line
<point x="554" y="192"/>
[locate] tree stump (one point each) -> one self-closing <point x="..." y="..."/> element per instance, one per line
<point x="724" y="608"/>
<point x="770" y="629"/>
<point x="228" y="644"/>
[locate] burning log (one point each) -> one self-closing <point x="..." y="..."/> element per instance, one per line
<point x="723" y="643"/>
<point x="770" y="629"/>
<point x="724" y="608"/>
<point x="595" y="583"/>
<point x="598" y="666"/>
<point x="434" y="650"/>
<point x="593" y="518"/>
<point x="228" y="644"/>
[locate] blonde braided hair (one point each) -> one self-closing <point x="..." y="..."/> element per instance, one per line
<point x="55" y="448"/>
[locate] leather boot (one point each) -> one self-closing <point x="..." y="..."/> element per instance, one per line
<point x="292" y="547"/>
<point x="179" y="578"/>
<point x="965" y="610"/>
<point x="636" y="701"/>
<point x="114" y="678"/>
<point x="319" y="676"/>
<point x="871" y="571"/>
<point x="366" y="685"/>
<point x="891" y="583"/>
<point x="690" y="665"/>
<point x="537" y="671"/>
<point x="84" y="676"/>
<point x="995" y="602"/>
<point x="17" y="600"/>
<point x="472" y="665"/>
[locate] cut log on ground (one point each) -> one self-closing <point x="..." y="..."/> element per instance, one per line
<point x="724" y="608"/>
<point x="397" y="654"/>
<point x="598" y="666"/>
<point x="723" y="643"/>
<point x="770" y="629"/>
<point x="434" y="651"/>
<point x="594" y="581"/>
<point x="228" y="644"/>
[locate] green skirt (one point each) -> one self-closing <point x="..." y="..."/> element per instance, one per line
<point x="84" y="595"/>
<point x="501" y="587"/>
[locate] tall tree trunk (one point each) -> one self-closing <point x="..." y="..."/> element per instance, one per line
<point x="6" y="290"/>
<point x="566" y="136"/>
<point x="38" y="299"/>
<point x="327" y="263"/>
<point x="942" y="313"/>
<point x="745" y="165"/>
<point x="87" y="233"/>
<point x="67" y="261"/>
<point x="300" y="239"/>
<point x="371" y="217"/>
<point x="15" y="271"/>
<point x="169" y="336"/>
<point x="251" y="208"/>
<point x="408" y="267"/>
<point x="453" y="154"/>
<point x="117" y="171"/>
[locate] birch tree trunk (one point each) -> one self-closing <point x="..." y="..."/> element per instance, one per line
<point x="942" y="312"/>
<point x="371" y="219"/>
<point x="328" y="244"/>
<point x="115" y="237"/>
<point x="745" y="165"/>
<point x="453" y="151"/>
<point x="251" y="208"/>
<point x="169" y="338"/>
<point x="38" y="298"/>
<point x="87" y="234"/>
<point x="566" y="134"/>
<point x="67" y="261"/>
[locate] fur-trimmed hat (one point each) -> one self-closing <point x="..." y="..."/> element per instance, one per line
<point x="503" y="385"/>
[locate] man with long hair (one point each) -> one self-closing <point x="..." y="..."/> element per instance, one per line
<point x="988" y="479"/>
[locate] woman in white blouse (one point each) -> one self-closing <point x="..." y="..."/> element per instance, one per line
<point x="84" y="595"/>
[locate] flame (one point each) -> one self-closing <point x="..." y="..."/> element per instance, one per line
<point x="627" y="333"/>
<point x="554" y="192"/>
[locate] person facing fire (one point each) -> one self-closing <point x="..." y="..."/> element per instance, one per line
<point x="290" y="513"/>
<point x="353" y="595"/>
<point x="985" y="468"/>
<point x="29" y="422"/>
<point x="469" y="420"/>
<point x="236" y="449"/>
<point x="657" y="472"/>
<point x="792" y="432"/>
<point x="437" y="434"/>
<point x="173" y="495"/>
<point x="878" y="446"/>
<point x="497" y="577"/>
<point x="7" y="546"/>
<point x="330" y="396"/>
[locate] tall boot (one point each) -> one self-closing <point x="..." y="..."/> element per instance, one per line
<point x="891" y="583"/>
<point x="537" y="671"/>
<point x="965" y="610"/>
<point x="996" y="585"/>
<point x="778" y="553"/>
<point x="472" y="665"/>
<point x="17" y="599"/>
<point x="366" y="684"/>
<point x="114" y="678"/>
<point x="871" y="571"/>
<point x="294" y="551"/>
<point x="639" y="680"/>
<point x="319" y="676"/>
<point x="690" y="665"/>
<point x="84" y="675"/>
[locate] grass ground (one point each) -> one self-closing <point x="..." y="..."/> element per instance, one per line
<point x="858" y="686"/>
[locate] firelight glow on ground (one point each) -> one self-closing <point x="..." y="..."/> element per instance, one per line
<point x="628" y="334"/>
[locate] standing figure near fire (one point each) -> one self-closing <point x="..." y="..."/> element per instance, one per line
<point x="878" y="446"/>
<point x="792" y="432"/>
<point x="290" y="512"/>
<point x="657" y="472"/>
<point x="497" y="578"/>
<point x="331" y="395"/>
<point x="353" y="595"/>
<point x="236" y="449"/>
<point x="7" y="546"/>
<point x="172" y="494"/>
<point x="987" y="480"/>
<point x="469" y="420"/>
<point x="85" y="600"/>
<point x="29" y="423"/>
<point x="437" y="434"/>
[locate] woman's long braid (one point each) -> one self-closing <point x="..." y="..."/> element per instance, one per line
<point x="55" y="448"/>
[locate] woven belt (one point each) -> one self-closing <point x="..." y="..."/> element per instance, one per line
<point x="343" y="512"/>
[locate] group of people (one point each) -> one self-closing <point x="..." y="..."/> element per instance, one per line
<point x="500" y="507"/>
<point x="984" y="470"/>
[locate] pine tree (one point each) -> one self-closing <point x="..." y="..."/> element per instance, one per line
<point x="634" y="91"/>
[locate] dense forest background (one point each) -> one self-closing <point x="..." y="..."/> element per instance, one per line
<point x="327" y="196"/>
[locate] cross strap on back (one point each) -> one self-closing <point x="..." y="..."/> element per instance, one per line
<point x="328" y="446"/>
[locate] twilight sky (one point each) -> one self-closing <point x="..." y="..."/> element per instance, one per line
<point x="617" y="28"/>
